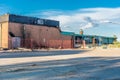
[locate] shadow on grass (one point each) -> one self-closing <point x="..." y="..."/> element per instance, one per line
<point x="89" y="68"/>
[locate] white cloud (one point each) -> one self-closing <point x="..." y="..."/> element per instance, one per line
<point x="74" y="20"/>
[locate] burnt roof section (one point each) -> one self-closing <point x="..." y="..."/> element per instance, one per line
<point x="29" y="20"/>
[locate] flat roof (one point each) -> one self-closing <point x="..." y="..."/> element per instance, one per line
<point x="92" y="36"/>
<point x="84" y="35"/>
<point x="67" y="33"/>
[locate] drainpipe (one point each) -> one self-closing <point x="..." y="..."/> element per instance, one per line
<point x="0" y="36"/>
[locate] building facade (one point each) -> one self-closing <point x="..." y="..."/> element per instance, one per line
<point x="93" y="40"/>
<point x="31" y="32"/>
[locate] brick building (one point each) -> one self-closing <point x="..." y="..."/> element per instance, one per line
<point x="32" y="32"/>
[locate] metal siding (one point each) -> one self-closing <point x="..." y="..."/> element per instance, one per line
<point x="33" y="21"/>
<point x="22" y="19"/>
<point x="51" y="23"/>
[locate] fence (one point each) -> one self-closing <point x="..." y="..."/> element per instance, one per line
<point x="38" y="44"/>
<point x="20" y="43"/>
<point x="61" y="43"/>
<point x="32" y="44"/>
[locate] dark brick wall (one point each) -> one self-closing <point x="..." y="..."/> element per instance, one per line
<point x="41" y="36"/>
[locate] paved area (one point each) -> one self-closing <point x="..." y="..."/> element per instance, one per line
<point x="78" y="65"/>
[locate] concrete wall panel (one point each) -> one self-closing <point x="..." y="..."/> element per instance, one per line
<point x="4" y="35"/>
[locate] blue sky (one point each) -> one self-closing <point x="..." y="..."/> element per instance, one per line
<point x="96" y="17"/>
<point x="28" y="6"/>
